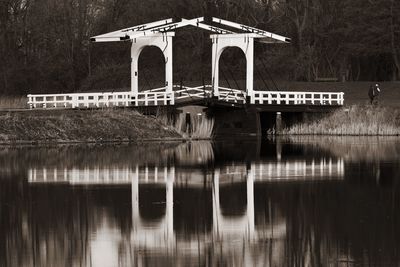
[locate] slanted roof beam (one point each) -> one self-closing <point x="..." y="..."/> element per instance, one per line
<point x="246" y="28"/>
<point x="163" y="29"/>
<point x="149" y="25"/>
<point x="207" y="27"/>
<point x="117" y="35"/>
<point x="168" y="25"/>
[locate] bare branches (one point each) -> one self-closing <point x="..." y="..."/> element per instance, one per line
<point x="45" y="42"/>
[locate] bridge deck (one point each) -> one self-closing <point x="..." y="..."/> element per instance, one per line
<point x="184" y="96"/>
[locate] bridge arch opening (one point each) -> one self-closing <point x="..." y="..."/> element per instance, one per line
<point x="152" y="203"/>
<point x="233" y="199"/>
<point x="192" y="208"/>
<point x="232" y="64"/>
<point x="151" y="68"/>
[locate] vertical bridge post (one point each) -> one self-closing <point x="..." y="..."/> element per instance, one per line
<point x="278" y="123"/>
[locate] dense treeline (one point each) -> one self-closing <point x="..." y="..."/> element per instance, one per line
<point x="44" y="44"/>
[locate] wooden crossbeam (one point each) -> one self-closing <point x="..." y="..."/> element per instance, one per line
<point x="163" y="28"/>
<point x="249" y="29"/>
<point x="210" y="27"/>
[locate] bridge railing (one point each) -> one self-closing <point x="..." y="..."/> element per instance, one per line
<point x="199" y="92"/>
<point x="159" y="97"/>
<point x="298" y="98"/>
<point x="106" y="99"/>
<point x="151" y="98"/>
<point x="232" y="95"/>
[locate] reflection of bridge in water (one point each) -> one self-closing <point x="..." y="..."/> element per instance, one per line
<point x="159" y="235"/>
<point x="263" y="171"/>
<point x="229" y="203"/>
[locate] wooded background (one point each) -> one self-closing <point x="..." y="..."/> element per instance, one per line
<point x="45" y="47"/>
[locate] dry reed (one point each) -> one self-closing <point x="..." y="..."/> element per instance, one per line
<point x="13" y="102"/>
<point x="356" y="120"/>
<point x="201" y="127"/>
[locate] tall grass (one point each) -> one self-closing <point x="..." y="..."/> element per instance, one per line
<point x="356" y="120"/>
<point x="13" y="102"/>
<point x="201" y="126"/>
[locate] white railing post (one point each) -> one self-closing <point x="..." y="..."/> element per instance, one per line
<point x="30" y="102"/>
<point x="165" y="98"/>
<point x="106" y="100"/>
<point x="86" y="101"/>
<point x="171" y="96"/>
<point x="73" y="101"/>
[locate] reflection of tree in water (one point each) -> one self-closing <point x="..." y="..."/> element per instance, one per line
<point x="333" y="223"/>
<point x="326" y="223"/>
<point x="52" y="226"/>
<point x="364" y="148"/>
<point x="83" y="155"/>
<point x="366" y="158"/>
<point x="78" y="156"/>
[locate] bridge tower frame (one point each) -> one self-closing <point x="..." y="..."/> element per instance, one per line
<point x="243" y="41"/>
<point x="164" y="42"/>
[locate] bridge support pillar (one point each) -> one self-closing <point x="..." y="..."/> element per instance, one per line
<point x="250" y="202"/>
<point x="232" y="122"/>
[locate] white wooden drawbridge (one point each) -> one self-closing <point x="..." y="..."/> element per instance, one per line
<point x="160" y="34"/>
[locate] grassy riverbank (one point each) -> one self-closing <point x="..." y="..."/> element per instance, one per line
<point x="354" y="120"/>
<point x="81" y="126"/>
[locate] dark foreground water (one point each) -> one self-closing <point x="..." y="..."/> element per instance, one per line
<point x="293" y="202"/>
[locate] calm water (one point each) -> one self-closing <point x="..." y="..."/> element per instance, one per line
<point x="292" y="202"/>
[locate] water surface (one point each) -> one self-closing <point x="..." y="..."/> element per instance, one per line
<point x="301" y="201"/>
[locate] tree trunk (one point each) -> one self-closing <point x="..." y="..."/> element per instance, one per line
<point x="395" y="55"/>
